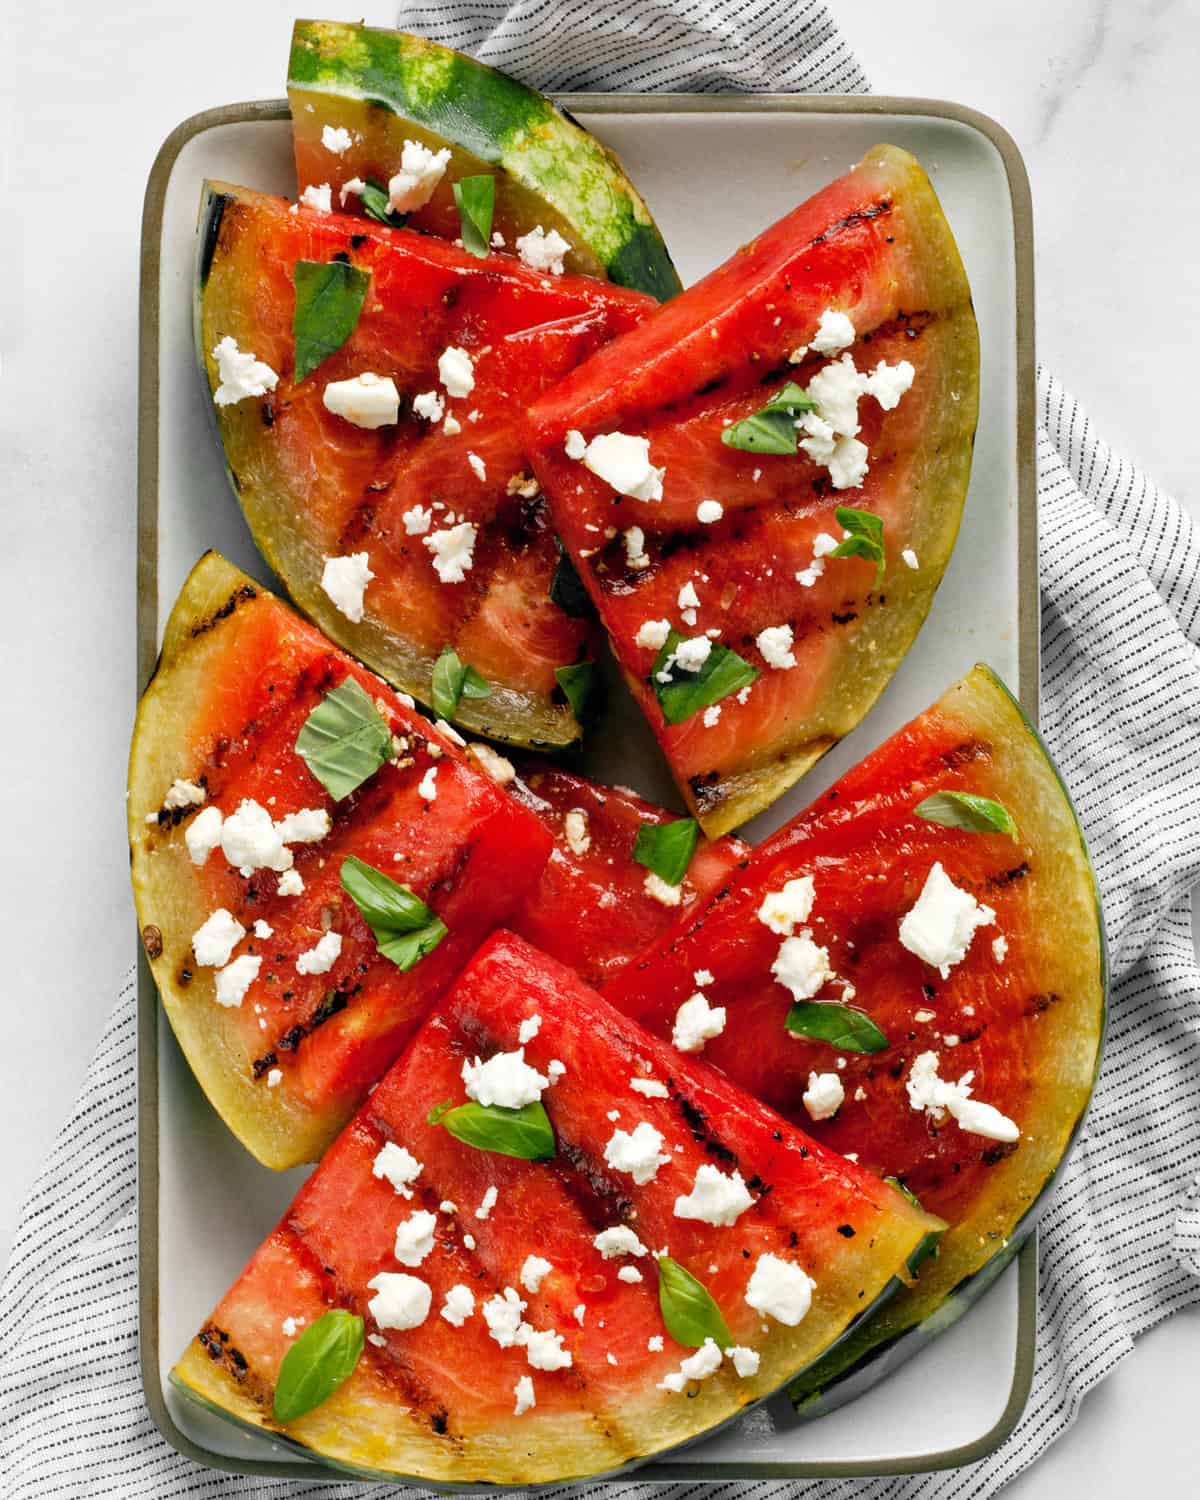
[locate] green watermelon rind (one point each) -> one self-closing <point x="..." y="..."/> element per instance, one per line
<point x="499" y="120"/>
<point x="851" y="1367"/>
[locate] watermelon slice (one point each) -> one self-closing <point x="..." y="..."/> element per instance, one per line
<point x="314" y="485"/>
<point x="359" y="93"/>
<point x="287" y="1055"/>
<point x="1021" y="1016"/>
<point x="596" y="907"/>
<point x="439" y="1401"/>
<point x="736" y="549"/>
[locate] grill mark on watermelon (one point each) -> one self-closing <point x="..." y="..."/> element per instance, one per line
<point x="239" y="596"/>
<point x="1038" y="1004"/>
<point x="1008" y="877"/>
<point x="216" y="1344"/>
<point x="879" y="210"/>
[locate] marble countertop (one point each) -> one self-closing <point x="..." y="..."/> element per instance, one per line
<point x="1097" y="95"/>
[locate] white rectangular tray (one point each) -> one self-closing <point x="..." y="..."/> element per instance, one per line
<point x="714" y="170"/>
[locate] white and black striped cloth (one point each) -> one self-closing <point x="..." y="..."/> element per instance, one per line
<point x="1120" y="569"/>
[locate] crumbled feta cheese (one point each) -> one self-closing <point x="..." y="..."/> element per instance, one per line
<point x="575" y="831"/>
<point x="469" y="1241"/>
<point x="630" y="1274"/>
<point x="688" y="597"/>
<point x="290" y="884"/>
<point x="321" y="959"/>
<point x="909" y="558"/>
<point x="638" y="1152"/>
<point x="711" y="715"/>
<point x="834" y="333"/>
<point x="451" y="426"/>
<point x="320" y="198"/>
<point x="623" y="462"/>
<point x="353" y="186"/>
<point x="924" y="1015"/>
<point x="555" y="1069"/>
<point x="240" y="375"/>
<point x="709" y="511"/>
<point x="887" y="383"/>
<point x="215" y="940"/>
<point x="650" y="1088"/>
<point x="236" y="978"/>
<point x="417" y="520"/>
<point x="617" y="1241"/>
<point x="263" y="929"/>
<point x="775" y="643"/>
<point x="414" y="1237"/>
<point x="783" y="911"/>
<point x="714" y="1198"/>
<point x="397" y="1165"/>
<point x="696" y="1366"/>
<point x="657" y="888"/>
<point x="528" y="1029"/>
<point x="703" y="977"/>
<point x="836" y="388"/>
<point x="541" y="251"/>
<point x="939" y="928"/>
<point x="526" y="1400"/>
<point x="307" y="826"/>
<point x="848" y="463"/>
<point x="780" y="1290"/>
<point x="203" y="834"/>
<point x="802" y="967"/>
<point x="274" y="1078"/>
<point x="291" y="1327"/>
<point x="250" y="841"/>
<point x="636" y="556"/>
<point x="502" y="1314"/>
<point x="824" y="544"/>
<point x="459" y="1305"/>
<point x="415" y="183"/>
<point x="937" y="1096"/>
<point x="652" y="634"/>
<point x="336" y="138"/>
<point x="377" y="1339"/>
<point x="579" y="1312"/>
<point x="1000" y="948"/>
<point x="366" y="400"/>
<point x="429" y="405"/>
<point x="534" y="1271"/>
<point x="506" y="1079"/>
<point x="400" y="1301"/>
<point x="182" y="794"/>
<point x="456" y="371"/>
<point x="745" y="1361"/>
<point x="427" y="787"/>
<point x="344" y="580"/>
<point x="453" y="551"/>
<point x="544" y="1348"/>
<point x="697" y="1022"/>
<point x="576" y="444"/>
<point x="477" y="467"/>
<point x="487" y="1202"/>
<point x="493" y="764"/>
<point x="655" y="1343"/>
<point x="824" y="1096"/>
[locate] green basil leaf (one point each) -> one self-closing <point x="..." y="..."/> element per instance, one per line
<point x="791" y="399"/>
<point x="329" y="299"/>
<point x="404" y="927"/>
<point x="966" y="811"/>
<point x="865" y="539"/>
<point x="686" y="693"/>
<point x="453" y="680"/>
<point x="376" y="202"/>
<point x="317" y="1363"/>
<point x="667" y="848"/>
<point x="577" y="682"/>
<point x="688" y="1309"/>
<point x="476" y="200"/>
<point x="566" y="587"/>
<point x="771" y="429"/>
<point x="344" y="740"/>
<point x="841" y="1026"/>
<point x="525" y="1132"/>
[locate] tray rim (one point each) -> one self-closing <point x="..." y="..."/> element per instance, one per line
<point x="147" y="656"/>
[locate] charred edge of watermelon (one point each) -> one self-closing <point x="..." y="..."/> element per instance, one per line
<point x="844" y="1373"/>
<point x="497" y="119"/>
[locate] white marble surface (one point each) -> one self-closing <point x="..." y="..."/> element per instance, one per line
<point x="1099" y="96"/>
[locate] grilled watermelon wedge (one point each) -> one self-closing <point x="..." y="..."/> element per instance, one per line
<point x="1022" y="1013"/>
<point x="437" y="1401"/>
<point x="736" y="545"/>
<point x="382" y="88"/>
<point x="313" y="485"/>
<point x="286" y="1062"/>
<point x="596" y="906"/>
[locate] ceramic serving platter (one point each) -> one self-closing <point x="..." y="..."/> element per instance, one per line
<point x="714" y="170"/>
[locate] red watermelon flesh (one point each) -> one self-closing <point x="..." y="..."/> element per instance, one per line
<point x="591" y="908"/>
<point x="874" y="246"/>
<point x="437" y="1401"/>
<point x="314" y="485"/>
<point x="239" y="675"/>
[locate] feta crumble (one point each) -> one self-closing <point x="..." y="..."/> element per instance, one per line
<point x="336" y="138"/>
<point x="697" y="1022"/>
<point x="250" y="840"/>
<point x="636" y="556"/>
<point x="715" y="1198"/>
<point x="534" y="1271"/>
<point x="400" y="1301"/>
<point x="344" y="581"/>
<point x="623" y="461"/>
<point x="698" y="1366"/>
<point x="1000" y="948"/>
<point x="307" y="826"/>
<point x="420" y="172"/>
<point x="203" y="834"/>
<point x="783" y="911"/>
<point x="835" y="332"/>
<point x="320" y="198"/>
<point x="528" y="1029"/>
<point x="459" y="1305"/>
<point x="655" y="1343"/>
<point x="493" y="764"/>
<point x="745" y="1361"/>
<point x="397" y="1165"/>
<point x="429" y="406"/>
<point x="652" y="634"/>
<point x="214" y="941"/>
<point x="506" y="1079"/>
<point x="780" y="1290"/>
<point x="487" y="1202"/>
<point x="575" y="831"/>
<point x="775" y="643"/>
<point x="941" y="925"/>
<point x="937" y="1097"/>
<point x="650" y="1088"/>
<point x="909" y="559"/>
<point x="352" y="187"/>
<point x="239" y="374"/>
<point x="321" y="959"/>
<point x="427" y="786"/>
<point x="691" y="655"/>
<point x="453" y="551"/>
<point x="543" y="251"/>
<point x="617" y="1241"/>
<point x="477" y="467"/>
<point x="181" y="794"/>
<point x="575" y="445"/>
<point x="638" y="1152"/>
<point x="290" y="884"/>
<point x="525" y="1398"/>
<point x="274" y="1078"/>
<point x="235" y="979"/>
<point x="657" y="888"/>
<point x="802" y="967"/>
<point x="414" y="1237"/>
<point x="417" y="520"/>
<point x="824" y="1096"/>
<point x="456" y="371"/>
<point x="502" y="1314"/>
<point x="631" y="1274"/>
<point x="708" y="512"/>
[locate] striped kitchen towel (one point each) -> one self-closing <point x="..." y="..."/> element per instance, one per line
<point x="1120" y="568"/>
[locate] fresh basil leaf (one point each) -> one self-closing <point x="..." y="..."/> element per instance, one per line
<point x="317" y="1363"/>
<point x="344" y="740"/>
<point x="404" y="927"/>
<point x="453" y="680"/>
<point x="841" y="1026"/>
<point x="667" y="848"/>
<point x="525" y="1132"/>
<point x="476" y="200"/>
<point x="966" y="811"/>
<point x="577" y="682"/>
<point x="329" y="299"/>
<point x="566" y="588"/>
<point x="771" y="429"/>
<point x="686" y="693"/>
<point x="688" y="1309"/>
<point x="865" y="539"/>
<point x="376" y="202"/>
